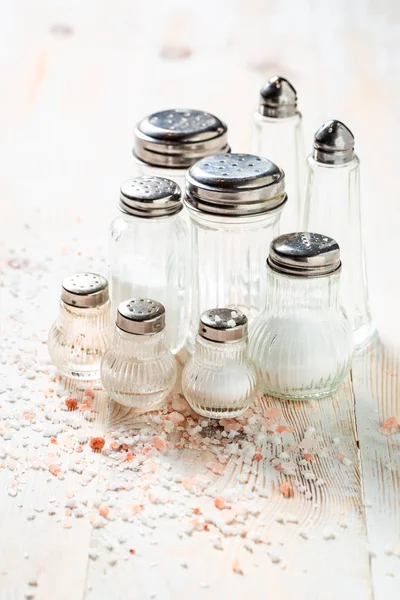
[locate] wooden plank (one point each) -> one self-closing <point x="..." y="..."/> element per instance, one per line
<point x="376" y="375"/>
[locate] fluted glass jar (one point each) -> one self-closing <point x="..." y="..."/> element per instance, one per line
<point x="235" y="203"/>
<point x="149" y="251"/>
<point x="83" y="330"/>
<point x="219" y="380"/>
<point x="138" y="370"/>
<point x="168" y="142"/>
<point x="301" y="342"/>
<point x="332" y="204"/>
<point x="278" y="135"/>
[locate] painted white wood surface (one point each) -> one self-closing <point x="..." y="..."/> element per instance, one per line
<point x="75" y="78"/>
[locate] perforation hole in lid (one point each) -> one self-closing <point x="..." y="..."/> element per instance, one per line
<point x="187" y="121"/>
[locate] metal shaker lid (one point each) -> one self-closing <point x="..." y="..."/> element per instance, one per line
<point x="84" y="290"/>
<point x="141" y="316"/>
<point x="223" y="325"/>
<point x="334" y="144"/>
<point x="178" y="137"/>
<point x="278" y="99"/>
<point x="304" y="255"/>
<point x="150" y="197"/>
<point x="235" y="185"/>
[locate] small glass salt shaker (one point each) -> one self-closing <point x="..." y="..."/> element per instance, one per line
<point x="219" y="380"/>
<point x="235" y="203"/>
<point x="168" y="142"/>
<point x="332" y="204"/>
<point x="83" y="331"/>
<point x="278" y="135"/>
<point x="302" y="342"/>
<point x="138" y="370"/>
<point x="149" y="251"/>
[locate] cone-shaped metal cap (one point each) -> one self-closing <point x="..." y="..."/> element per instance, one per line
<point x="334" y="144"/>
<point x="278" y="98"/>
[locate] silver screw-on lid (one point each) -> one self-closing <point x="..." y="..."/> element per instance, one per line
<point x="142" y="316"/>
<point x="235" y="185"/>
<point x="150" y="197"/>
<point x="278" y="99"/>
<point x="334" y="144"/>
<point x="304" y="255"/>
<point x="84" y="290"/>
<point x="178" y="137"/>
<point x="223" y="325"/>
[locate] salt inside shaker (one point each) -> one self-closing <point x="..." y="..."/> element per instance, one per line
<point x="301" y="342"/>
<point x="138" y="370"/>
<point x="166" y="143"/>
<point x="235" y="203"/>
<point x="149" y="251"/>
<point x="219" y="380"/>
<point x="278" y="135"/>
<point x="82" y="333"/>
<point x="332" y="204"/>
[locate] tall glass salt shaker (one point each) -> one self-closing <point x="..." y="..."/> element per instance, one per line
<point x="149" y="251"/>
<point x="302" y="342"/>
<point x="83" y="330"/>
<point x="138" y="370"/>
<point x="168" y="142"/>
<point x="219" y="380"/>
<point x="278" y="135"/>
<point x="332" y="204"/>
<point x="235" y="203"/>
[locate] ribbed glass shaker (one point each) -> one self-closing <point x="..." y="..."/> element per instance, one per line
<point x="149" y="251"/>
<point x="168" y="142"/>
<point x="301" y="342"/>
<point x="235" y="203"/>
<point x="332" y="204"/>
<point x="83" y="331"/>
<point x="219" y="380"/>
<point x="278" y="134"/>
<point x="138" y="370"/>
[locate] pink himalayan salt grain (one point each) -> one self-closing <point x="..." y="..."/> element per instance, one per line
<point x="89" y="393"/>
<point x="285" y="489"/>
<point x="158" y="443"/>
<point x="104" y="511"/>
<point x="273" y="413"/>
<point x="175" y="417"/>
<point x="219" y="502"/>
<point x="230" y="425"/>
<point x="390" y="426"/>
<point x="215" y="467"/>
<point x="236" y="568"/>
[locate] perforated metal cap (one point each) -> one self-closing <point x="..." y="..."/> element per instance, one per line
<point x="235" y="185"/>
<point x="150" y="197"/>
<point x="304" y="255"/>
<point x="334" y="144"/>
<point x="142" y="316"/>
<point x="278" y="99"/>
<point x="223" y="325"/>
<point x="178" y="137"/>
<point x="84" y="290"/>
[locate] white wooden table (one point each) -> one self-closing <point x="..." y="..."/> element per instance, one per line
<point x="75" y="78"/>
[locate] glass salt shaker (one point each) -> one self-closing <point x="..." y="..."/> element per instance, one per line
<point x="219" y="380"/>
<point x="83" y="331"/>
<point x="278" y="135"/>
<point x="301" y="342"/>
<point x="235" y="203"/>
<point x="166" y="143"/>
<point x="332" y="204"/>
<point x="138" y="370"/>
<point x="149" y="251"/>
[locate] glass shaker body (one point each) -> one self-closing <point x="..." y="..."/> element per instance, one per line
<point x="138" y="370"/>
<point x="332" y="205"/>
<point x="228" y="257"/>
<point x="219" y="380"/>
<point x="301" y="342"/>
<point x="235" y="203"/>
<point x="79" y="337"/>
<point x="282" y="141"/>
<point x="149" y="255"/>
<point x="278" y="135"/>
